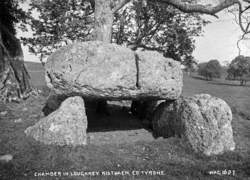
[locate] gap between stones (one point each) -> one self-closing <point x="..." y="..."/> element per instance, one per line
<point x="137" y="70"/>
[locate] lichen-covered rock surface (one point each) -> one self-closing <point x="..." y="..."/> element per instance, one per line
<point x="65" y="126"/>
<point x="158" y="76"/>
<point x="95" y="69"/>
<point x="202" y="120"/>
<point x="206" y="124"/>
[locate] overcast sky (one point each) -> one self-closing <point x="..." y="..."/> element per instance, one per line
<point x="218" y="41"/>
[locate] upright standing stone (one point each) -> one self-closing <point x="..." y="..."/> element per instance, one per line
<point x="202" y="120"/>
<point x="165" y="119"/>
<point x="207" y="124"/>
<point x="65" y="126"/>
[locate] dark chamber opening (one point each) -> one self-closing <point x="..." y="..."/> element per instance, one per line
<point x="116" y="115"/>
<point x="119" y="117"/>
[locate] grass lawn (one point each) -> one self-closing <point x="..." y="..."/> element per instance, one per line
<point x="132" y="150"/>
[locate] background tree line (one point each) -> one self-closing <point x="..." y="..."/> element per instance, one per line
<point x="238" y="69"/>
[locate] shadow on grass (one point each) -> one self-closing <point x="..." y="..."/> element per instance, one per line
<point x="226" y="84"/>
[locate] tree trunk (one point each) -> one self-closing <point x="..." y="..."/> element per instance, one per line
<point x="103" y="32"/>
<point x="103" y="20"/>
<point x="14" y="78"/>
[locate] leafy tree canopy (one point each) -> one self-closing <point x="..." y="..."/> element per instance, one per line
<point x="158" y="27"/>
<point x="239" y="68"/>
<point x="154" y="27"/>
<point x="10" y="15"/>
<point x="210" y="70"/>
<point x="58" y="23"/>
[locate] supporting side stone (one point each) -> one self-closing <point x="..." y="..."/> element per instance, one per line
<point x="165" y="119"/>
<point x="207" y="124"/>
<point x="202" y="120"/>
<point x="65" y="126"/>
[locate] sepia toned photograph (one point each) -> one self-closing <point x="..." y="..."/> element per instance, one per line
<point x="125" y="89"/>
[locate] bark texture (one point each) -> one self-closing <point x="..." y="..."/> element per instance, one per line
<point x="14" y="77"/>
<point x="103" y="20"/>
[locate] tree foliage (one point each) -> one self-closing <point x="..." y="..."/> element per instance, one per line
<point x="154" y="26"/>
<point x="239" y="69"/>
<point x="210" y="70"/>
<point x="11" y="14"/>
<point x="58" y="23"/>
<point x="159" y="27"/>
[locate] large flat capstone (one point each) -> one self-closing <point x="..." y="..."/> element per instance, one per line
<point x="100" y="70"/>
